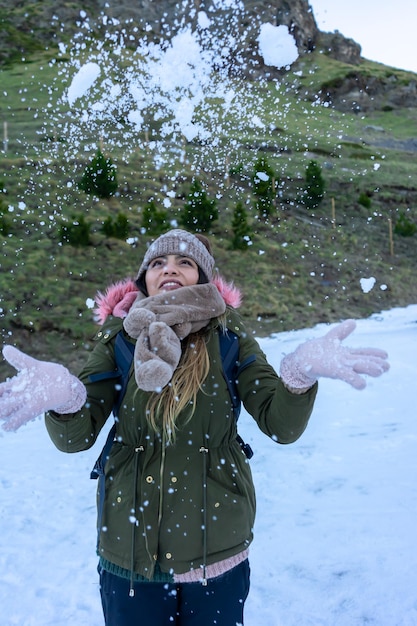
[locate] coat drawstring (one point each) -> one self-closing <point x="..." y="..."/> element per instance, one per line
<point x="134" y="521"/>
<point x="204" y="451"/>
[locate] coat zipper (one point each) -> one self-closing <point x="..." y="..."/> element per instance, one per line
<point x="134" y="511"/>
<point x="204" y="452"/>
<point x="161" y="480"/>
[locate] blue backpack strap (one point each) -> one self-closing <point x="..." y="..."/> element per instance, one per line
<point x="98" y="469"/>
<point x="123" y="354"/>
<point x="229" y="351"/>
<point x="98" y="473"/>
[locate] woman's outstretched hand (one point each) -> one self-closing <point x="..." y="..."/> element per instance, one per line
<point x="38" y="386"/>
<point x="326" y="357"/>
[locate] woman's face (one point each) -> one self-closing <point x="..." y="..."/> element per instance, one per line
<point x="166" y="273"/>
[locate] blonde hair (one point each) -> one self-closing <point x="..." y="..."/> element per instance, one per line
<point x="163" y="409"/>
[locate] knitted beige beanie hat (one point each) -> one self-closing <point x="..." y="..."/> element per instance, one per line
<point x="180" y="242"/>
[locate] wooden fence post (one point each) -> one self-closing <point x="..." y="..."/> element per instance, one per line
<point x="333" y="213"/>
<point x="391" y="239"/>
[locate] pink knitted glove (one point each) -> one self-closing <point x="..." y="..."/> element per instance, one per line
<point x="39" y="386"/>
<point x="326" y="357"/>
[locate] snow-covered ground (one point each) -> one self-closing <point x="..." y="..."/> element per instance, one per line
<point x="335" y="541"/>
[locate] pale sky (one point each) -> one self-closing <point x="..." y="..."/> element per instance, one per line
<point x="385" y="29"/>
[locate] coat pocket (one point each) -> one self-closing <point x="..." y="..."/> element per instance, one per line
<point x="230" y="517"/>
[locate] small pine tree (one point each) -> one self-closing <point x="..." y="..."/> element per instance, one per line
<point x="154" y="221"/>
<point x="76" y="233"/>
<point x="121" y="226"/>
<point x="4" y="226"/>
<point x="199" y="212"/>
<point x="263" y="182"/>
<point x="364" y="200"/>
<point x="99" y="177"/>
<point x="107" y="227"/>
<point x="404" y="226"/>
<point x="241" y="228"/>
<point x="314" y="185"/>
<point x="118" y="228"/>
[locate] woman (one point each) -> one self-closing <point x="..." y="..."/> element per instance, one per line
<point x="179" y="502"/>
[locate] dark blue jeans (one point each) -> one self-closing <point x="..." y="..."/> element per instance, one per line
<point x="220" y="603"/>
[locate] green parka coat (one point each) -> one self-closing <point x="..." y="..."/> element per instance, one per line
<point x="192" y="503"/>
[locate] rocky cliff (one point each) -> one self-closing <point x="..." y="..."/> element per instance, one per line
<point x="30" y="25"/>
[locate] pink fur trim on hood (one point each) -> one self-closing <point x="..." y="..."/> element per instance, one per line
<point x="230" y="294"/>
<point x="116" y="300"/>
<point x="119" y="297"/>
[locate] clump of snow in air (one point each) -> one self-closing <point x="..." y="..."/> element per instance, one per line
<point x="277" y="45"/>
<point x="367" y="284"/>
<point x="203" y="20"/>
<point x="262" y="176"/>
<point x="83" y="80"/>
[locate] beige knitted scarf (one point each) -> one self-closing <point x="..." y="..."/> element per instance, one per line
<point x="159" y="323"/>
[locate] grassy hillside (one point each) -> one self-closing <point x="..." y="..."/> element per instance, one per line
<point x="303" y="266"/>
